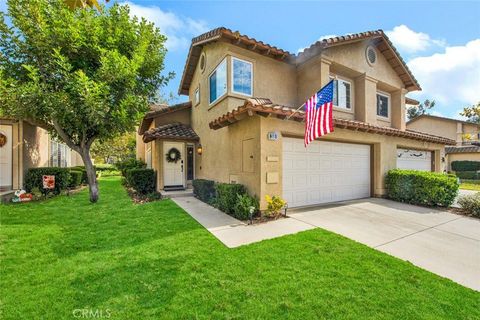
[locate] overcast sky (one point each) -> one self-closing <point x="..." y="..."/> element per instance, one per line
<point x="440" y="41"/>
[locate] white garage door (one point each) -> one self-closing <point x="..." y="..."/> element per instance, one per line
<point x="414" y="159"/>
<point x="324" y="172"/>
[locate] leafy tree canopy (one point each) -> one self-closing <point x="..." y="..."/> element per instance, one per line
<point x="472" y="113"/>
<point x="116" y="149"/>
<point x="422" y="108"/>
<point x="83" y="74"/>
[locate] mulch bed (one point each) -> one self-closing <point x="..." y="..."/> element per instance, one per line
<point x="461" y="212"/>
<point x="263" y="219"/>
<point x="142" y="198"/>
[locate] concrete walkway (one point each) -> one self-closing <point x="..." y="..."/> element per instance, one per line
<point x="438" y="241"/>
<point x="232" y="232"/>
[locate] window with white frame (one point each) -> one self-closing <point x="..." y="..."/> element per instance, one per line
<point x="197" y="96"/>
<point x="342" y="94"/>
<point x="383" y="105"/>
<point x="218" y="81"/>
<point x="242" y="77"/>
<point x="59" y="154"/>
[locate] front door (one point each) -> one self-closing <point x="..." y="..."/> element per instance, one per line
<point x="5" y="157"/>
<point x="173" y="164"/>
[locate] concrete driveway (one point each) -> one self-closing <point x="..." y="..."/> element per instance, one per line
<point x="438" y="241"/>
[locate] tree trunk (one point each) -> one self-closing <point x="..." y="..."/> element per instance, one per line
<point x="91" y="175"/>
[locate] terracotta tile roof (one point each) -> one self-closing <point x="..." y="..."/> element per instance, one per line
<point x="264" y="107"/>
<point x="462" y="149"/>
<point x="378" y="37"/>
<point x="411" y="101"/>
<point x="160" y="109"/>
<point x="172" y="131"/>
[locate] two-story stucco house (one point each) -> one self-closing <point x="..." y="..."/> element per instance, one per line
<point x="24" y="146"/>
<point x="465" y="134"/>
<point x="240" y="123"/>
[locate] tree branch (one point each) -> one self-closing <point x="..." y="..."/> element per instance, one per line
<point x="65" y="137"/>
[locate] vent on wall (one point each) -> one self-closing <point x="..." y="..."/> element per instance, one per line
<point x="202" y="62"/>
<point x="371" y="55"/>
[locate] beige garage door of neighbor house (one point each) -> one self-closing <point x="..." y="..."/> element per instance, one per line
<point x="324" y="172"/>
<point x="414" y="159"/>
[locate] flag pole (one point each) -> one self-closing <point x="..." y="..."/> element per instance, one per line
<point x="296" y="110"/>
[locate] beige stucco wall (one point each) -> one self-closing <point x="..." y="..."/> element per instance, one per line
<point x="447" y="128"/>
<point x="348" y="62"/>
<point x="470" y="156"/>
<point x="384" y="152"/>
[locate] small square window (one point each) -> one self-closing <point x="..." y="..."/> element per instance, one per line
<point x="242" y="76"/>
<point x="383" y="102"/>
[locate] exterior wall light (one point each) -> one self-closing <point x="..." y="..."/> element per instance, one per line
<point x="199" y="150"/>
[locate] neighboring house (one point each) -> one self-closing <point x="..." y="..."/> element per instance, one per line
<point x="466" y="135"/>
<point x="24" y="146"/>
<point x="240" y="123"/>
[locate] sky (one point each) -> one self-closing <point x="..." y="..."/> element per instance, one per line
<point x="440" y="41"/>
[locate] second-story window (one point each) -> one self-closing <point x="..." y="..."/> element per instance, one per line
<point x="218" y="82"/>
<point x="383" y="105"/>
<point x="342" y="97"/>
<point x="242" y="77"/>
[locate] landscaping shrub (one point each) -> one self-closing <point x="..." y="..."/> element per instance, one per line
<point x="204" y="189"/>
<point x="274" y="206"/>
<point x="83" y="171"/>
<point x="75" y="178"/>
<point x="33" y="179"/>
<point x="465" y="165"/>
<point x="471" y="204"/>
<point x="243" y="205"/>
<point x="129" y="164"/>
<point x="227" y="196"/>
<point x="469" y="175"/>
<point x="142" y="180"/>
<point x="421" y="187"/>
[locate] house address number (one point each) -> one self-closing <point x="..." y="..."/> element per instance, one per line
<point x="272" y="135"/>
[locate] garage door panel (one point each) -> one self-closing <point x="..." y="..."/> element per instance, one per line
<point x="414" y="159"/>
<point x="334" y="172"/>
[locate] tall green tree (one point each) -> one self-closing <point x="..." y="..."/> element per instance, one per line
<point x="422" y="108"/>
<point x="116" y="149"/>
<point x="472" y="113"/>
<point x="82" y="74"/>
<point x="73" y="4"/>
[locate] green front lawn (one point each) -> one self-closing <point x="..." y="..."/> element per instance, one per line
<point x="153" y="261"/>
<point x="470" y="185"/>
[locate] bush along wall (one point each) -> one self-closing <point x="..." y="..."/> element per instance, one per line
<point x="468" y="175"/>
<point x="465" y="166"/>
<point x="75" y="179"/>
<point x="142" y="180"/>
<point x="421" y="187"/>
<point x="34" y="179"/>
<point x="204" y="190"/>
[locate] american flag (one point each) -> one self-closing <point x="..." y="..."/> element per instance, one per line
<point x="318" y="116"/>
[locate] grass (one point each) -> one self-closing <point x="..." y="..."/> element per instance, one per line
<point x="153" y="261"/>
<point x="470" y="185"/>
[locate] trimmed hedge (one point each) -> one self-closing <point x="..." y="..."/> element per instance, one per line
<point x="34" y="179"/>
<point x="421" y="187"/>
<point x="469" y="175"/>
<point x="129" y="164"/>
<point x="465" y="165"/>
<point x="142" y="180"/>
<point x="204" y="190"/>
<point x="83" y="171"/>
<point x="227" y="196"/>
<point x="75" y="178"/>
